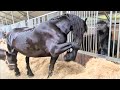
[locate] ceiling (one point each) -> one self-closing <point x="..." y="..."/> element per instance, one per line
<point x="6" y="16"/>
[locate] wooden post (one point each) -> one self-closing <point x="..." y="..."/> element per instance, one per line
<point x="12" y="16"/>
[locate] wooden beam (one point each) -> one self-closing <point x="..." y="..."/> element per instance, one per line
<point x="10" y="15"/>
<point x="107" y="16"/>
<point x="25" y="14"/>
<point x="6" y="18"/>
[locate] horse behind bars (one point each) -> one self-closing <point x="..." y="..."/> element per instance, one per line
<point x="47" y="39"/>
<point x="103" y="39"/>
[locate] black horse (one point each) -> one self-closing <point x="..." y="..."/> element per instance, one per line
<point x="47" y="39"/>
<point x="103" y="39"/>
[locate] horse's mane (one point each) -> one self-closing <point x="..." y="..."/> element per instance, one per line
<point x="76" y="22"/>
<point x="78" y="25"/>
<point x="23" y="29"/>
<point x="58" y="18"/>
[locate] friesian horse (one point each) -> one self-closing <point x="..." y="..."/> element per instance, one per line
<point x="46" y="40"/>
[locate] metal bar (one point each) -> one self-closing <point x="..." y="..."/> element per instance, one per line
<point x="110" y="33"/>
<point x="27" y="15"/>
<point x="114" y="34"/>
<point x="87" y="39"/>
<point x="82" y="14"/>
<point x="79" y="14"/>
<point x="85" y="35"/>
<point x="6" y="19"/>
<point x="96" y="33"/>
<point x="91" y="29"/>
<point x="12" y="16"/>
<point x="118" y="46"/>
<point x="100" y="56"/>
<point x="61" y="12"/>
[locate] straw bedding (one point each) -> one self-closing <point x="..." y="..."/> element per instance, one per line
<point x="95" y="68"/>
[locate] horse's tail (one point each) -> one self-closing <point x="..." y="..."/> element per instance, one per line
<point x="2" y="54"/>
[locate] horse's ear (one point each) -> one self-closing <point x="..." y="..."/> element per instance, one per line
<point x="85" y="19"/>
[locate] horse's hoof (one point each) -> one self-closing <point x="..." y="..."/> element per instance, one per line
<point x="17" y="74"/>
<point x="49" y="75"/>
<point x="30" y="74"/>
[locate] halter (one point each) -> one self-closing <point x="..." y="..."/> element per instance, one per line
<point x="8" y="62"/>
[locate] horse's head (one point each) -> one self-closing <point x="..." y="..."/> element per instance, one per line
<point x="102" y="26"/>
<point x="10" y="60"/>
<point x="78" y="27"/>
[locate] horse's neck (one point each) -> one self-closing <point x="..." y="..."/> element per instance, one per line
<point x="64" y="26"/>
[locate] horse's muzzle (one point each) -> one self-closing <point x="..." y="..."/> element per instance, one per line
<point x="69" y="56"/>
<point x="11" y="66"/>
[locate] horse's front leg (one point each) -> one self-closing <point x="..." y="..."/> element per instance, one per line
<point x="29" y="71"/>
<point x="51" y="66"/>
<point x="57" y="49"/>
<point x="17" y="72"/>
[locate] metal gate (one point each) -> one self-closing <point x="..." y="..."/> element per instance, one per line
<point x="114" y="28"/>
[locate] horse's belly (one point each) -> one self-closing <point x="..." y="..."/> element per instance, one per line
<point x="32" y="51"/>
<point x="40" y="53"/>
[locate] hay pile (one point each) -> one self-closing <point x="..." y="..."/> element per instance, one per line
<point x="96" y="68"/>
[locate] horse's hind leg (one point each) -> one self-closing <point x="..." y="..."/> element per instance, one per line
<point x="29" y="71"/>
<point x="10" y="49"/>
<point x="17" y="72"/>
<point x="51" y="67"/>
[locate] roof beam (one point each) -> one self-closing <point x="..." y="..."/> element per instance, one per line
<point x="25" y="14"/>
<point x="10" y="15"/>
<point x="3" y="21"/>
<point x="6" y="18"/>
<point x="107" y="16"/>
